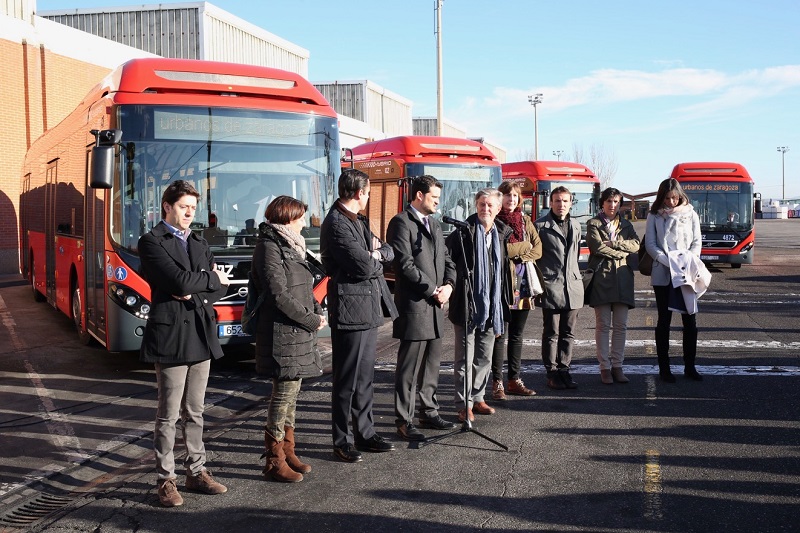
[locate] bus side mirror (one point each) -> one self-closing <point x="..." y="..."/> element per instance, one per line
<point x="545" y="199"/>
<point x="757" y="205"/>
<point x="102" y="172"/>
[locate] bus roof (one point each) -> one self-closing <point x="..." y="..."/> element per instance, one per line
<point x="421" y="145"/>
<point x="183" y="77"/>
<point x="546" y="169"/>
<point x="709" y="169"/>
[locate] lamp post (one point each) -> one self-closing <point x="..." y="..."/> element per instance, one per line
<point x="783" y="150"/>
<point x="534" y="100"/>
<point x="558" y="153"/>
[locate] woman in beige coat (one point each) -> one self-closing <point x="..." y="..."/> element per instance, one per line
<point x="611" y="240"/>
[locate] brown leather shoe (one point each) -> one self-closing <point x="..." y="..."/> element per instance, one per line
<point x="462" y="415"/>
<point x="518" y="388"/>
<point x="498" y="394"/>
<point x="618" y="375"/>
<point x="482" y="408"/>
<point x="204" y="482"/>
<point x="605" y="376"/>
<point x="168" y="493"/>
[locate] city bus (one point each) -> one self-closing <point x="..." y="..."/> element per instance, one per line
<point x="92" y="185"/>
<point x="463" y="166"/>
<point x="722" y="195"/>
<point x="538" y="178"/>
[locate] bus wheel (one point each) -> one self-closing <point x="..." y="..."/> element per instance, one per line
<point x="37" y="296"/>
<point x="83" y="335"/>
<point x="736" y="265"/>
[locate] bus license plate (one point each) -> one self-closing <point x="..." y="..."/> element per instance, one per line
<point x="231" y="330"/>
<point x="709" y="258"/>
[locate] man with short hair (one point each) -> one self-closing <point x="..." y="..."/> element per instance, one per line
<point x="563" y="294"/>
<point x="479" y="306"/>
<point x="424" y="280"/>
<point x="180" y="336"/>
<point x="357" y="295"/>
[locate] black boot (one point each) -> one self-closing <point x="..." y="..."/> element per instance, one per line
<point x="690" y="353"/>
<point x="662" y="349"/>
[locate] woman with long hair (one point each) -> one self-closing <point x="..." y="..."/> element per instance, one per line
<point x="523" y="249"/>
<point x="286" y="329"/>
<point x="611" y="239"/>
<point x="674" y="241"/>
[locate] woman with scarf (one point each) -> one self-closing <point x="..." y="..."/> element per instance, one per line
<point x="286" y="330"/>
<point x="523" y="249"/>
<point x="673" y="240"/>
<point x="611" y="240"/>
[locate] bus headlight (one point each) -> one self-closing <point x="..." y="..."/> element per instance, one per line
<point x="130" y="300"/>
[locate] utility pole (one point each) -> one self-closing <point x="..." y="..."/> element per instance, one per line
<point x="783" y="150"/>
<point x="535" y="100"/>
<point x="439" y="90"/>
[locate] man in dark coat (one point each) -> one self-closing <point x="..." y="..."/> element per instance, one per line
<point x="180" y="336"/>
<point x="424" y="280"/>
<point x="357" y="296"/>
<point x="563" y="287"/>
<point x="479" y="307"/>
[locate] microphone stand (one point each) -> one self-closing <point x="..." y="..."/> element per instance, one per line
<point x="465" y="278"/>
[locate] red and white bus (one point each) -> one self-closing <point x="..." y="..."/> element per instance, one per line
<point x="92" y="185"/>
<point x="538" y="178"/>
<point x="722" y="195"/>
<point x="463" y="166"/>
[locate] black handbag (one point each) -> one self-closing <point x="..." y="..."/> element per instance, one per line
<point x="645" y="259"/>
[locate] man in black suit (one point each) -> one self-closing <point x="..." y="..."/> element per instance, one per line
<point x="357" y="299"/>
<point x="180" y="336"/>
<point x="424" y="280"/>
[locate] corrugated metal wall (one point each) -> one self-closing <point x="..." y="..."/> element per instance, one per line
<point x="427" y="126"/>
<point x="227" y="42"/>
<point x="165" y="32"/>
<point x="19" y="9"/>
<point x="369" y="103"/>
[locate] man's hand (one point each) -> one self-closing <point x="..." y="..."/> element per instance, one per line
<point x="442" y="294"/>
<point x="224" y="279"/>
<point x="186" y="297"/>
<point x="322" y="322"/>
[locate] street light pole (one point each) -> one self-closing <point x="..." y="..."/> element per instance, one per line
<point x="534" y="100"/>
<point x="783" y="150"/>
<point x="558" y="153"/>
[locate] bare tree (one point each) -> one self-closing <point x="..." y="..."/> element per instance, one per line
<point x="525" y="155"/>
<point x="601" y="160"/>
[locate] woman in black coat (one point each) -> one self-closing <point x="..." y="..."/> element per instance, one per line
<point x="286" y="330"/>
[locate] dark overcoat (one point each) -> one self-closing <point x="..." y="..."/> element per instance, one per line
<point x="358" y="296"/>
<point x="465" y="264"/>
<point x="179" y="331"/>
<point x="289" y="316"/>
<point x="613" y="277"/>
<point x="421" y="264"/>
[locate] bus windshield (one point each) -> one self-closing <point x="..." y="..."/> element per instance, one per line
<point x="238" y="160"/>
<point x="722" y="205"/>
<point x="461" y="182"/>
<point x="585" y="198"/>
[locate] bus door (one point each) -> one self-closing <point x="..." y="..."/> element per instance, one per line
<point x="49" y="229"/>
<point x="94" y="260"/>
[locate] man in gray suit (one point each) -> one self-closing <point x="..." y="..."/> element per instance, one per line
<point x="563" y="287"/>
<point x="424" y="280"/>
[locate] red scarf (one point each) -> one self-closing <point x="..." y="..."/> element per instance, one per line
<point x="514" y="220"/>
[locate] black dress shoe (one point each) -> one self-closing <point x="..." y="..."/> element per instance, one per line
<point x="555" y="382"/>
<point x="567" y="379"/>
<point x="347" y="453"/>
<point x="409" y="432"/>
<point x="435" y="422"/>
<point x="375" y="443"/>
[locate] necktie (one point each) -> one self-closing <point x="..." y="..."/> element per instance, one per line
<point x="427" y="225"/>
<point x="185" y="243"/>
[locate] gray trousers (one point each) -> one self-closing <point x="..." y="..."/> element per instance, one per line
<point x="558" y="337"/>
<point x="472" y="363"/>
<point x="181" y="395"/>
<point x="610" y="317"/>
<point x="417" y="372"/>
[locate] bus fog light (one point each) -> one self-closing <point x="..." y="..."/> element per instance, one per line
<point x="130" y="300"/>
<point x="145" y="309"/>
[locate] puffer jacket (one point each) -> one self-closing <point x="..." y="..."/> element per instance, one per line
<point x="613" y="277"/>
<point x="286" y="340"/>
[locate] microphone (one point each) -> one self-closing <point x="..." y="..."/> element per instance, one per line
<point x="457" y="223"/>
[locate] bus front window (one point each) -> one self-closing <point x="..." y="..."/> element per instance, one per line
<point x="237" y="175"/>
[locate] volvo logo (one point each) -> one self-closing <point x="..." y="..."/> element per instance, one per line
<point x="242" y="292"/>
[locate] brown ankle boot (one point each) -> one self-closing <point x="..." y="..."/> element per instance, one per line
<point x="292" y="460"/>
<point x="276" y="467"/>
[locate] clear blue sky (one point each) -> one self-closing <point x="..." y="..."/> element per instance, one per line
<point x="652" y="83"/>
